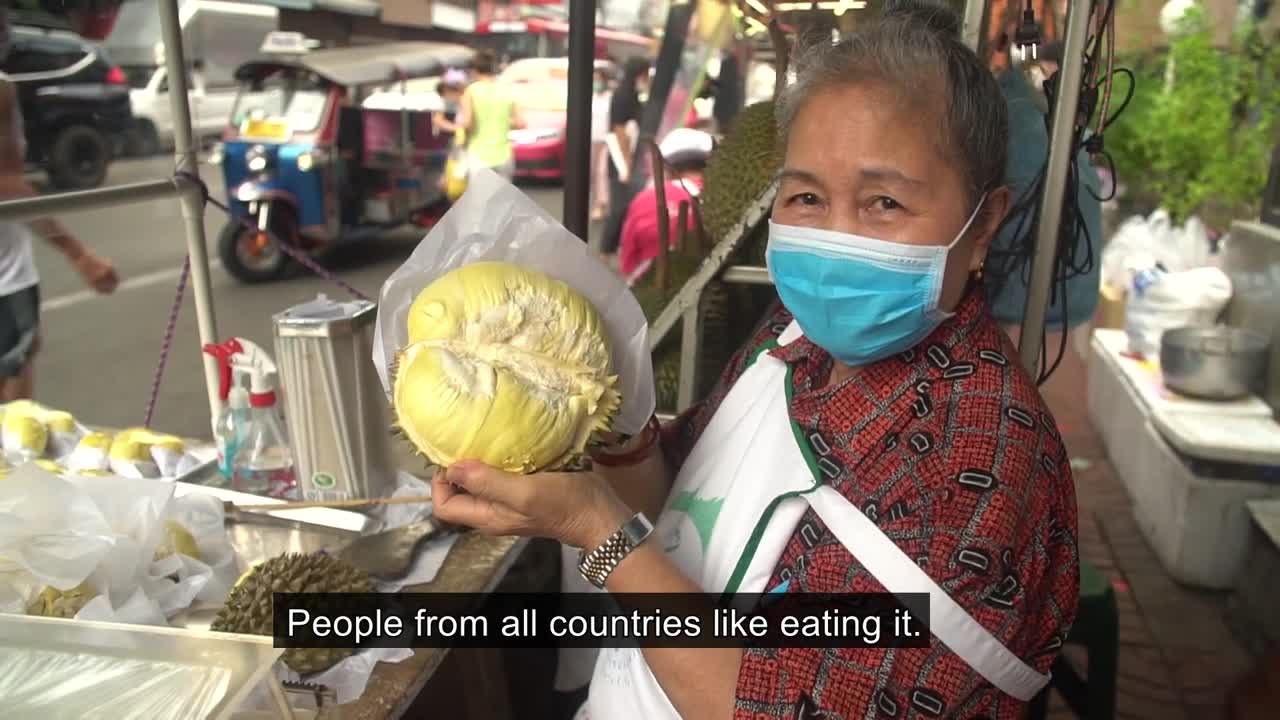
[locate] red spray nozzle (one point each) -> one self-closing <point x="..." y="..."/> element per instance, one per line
<point x="223" y="352"/>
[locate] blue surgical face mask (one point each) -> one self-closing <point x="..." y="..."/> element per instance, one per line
<point x="859" y="299"/>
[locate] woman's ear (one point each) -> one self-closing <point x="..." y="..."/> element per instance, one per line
<point x="994" y="209"/>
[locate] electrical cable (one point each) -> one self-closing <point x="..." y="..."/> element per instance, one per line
<point x="1071" y="258"/>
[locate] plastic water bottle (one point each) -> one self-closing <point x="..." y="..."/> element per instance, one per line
<point x="263" y="463"/>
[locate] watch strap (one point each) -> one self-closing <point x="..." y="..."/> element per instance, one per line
<point x="596" y="566"/>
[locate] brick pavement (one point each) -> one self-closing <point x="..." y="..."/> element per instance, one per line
<point x="1177" y="657"/>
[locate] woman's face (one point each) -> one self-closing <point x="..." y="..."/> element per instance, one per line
<point x="861" y="161"/>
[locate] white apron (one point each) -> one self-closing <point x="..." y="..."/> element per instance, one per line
<point x="750" y="463"/>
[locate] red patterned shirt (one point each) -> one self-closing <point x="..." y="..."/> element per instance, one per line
<point x="951" y="451"/>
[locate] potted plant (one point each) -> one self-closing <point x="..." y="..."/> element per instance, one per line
<point x="1197" y="136"/>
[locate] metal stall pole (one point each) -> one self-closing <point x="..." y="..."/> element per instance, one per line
<point x="191" y="195"/>
<point x="577" y="151"/>
<point x="1055" y="184"/>
<point x="974" y="12"/>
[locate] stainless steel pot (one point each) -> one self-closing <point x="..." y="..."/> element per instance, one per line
<point x="1217" y="363"/>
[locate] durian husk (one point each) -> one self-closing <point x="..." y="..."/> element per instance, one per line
<point x="504" y="365"/>
<point x="248" y="609"/>
<point x="740" y="170"/>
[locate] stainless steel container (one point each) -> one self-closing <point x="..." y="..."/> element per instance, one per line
<point x="334" y="404"/>
<point x="1251" y="258"/>
<point x="1217" y="363"/>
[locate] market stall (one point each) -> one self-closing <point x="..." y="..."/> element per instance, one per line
<point x="470" y="564"/>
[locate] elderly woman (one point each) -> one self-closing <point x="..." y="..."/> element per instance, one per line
<point x="876" y="435"/>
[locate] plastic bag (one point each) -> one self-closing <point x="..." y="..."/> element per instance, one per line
<point x="1160" y="301"/>
<point x="50" y="530"/>
<point x="494" y="220"/>
<point x="1142" y="243"/>
<point x="456" y="171"/>
<point x="61" y="532"/>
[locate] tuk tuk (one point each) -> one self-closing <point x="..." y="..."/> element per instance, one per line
<point x="305" y="161"/>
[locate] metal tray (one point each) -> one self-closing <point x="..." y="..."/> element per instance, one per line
<point x="304" y="530"/>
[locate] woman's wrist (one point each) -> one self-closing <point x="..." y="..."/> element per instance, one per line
<point x="601" y="522"/>
<point x="616" y="452"/>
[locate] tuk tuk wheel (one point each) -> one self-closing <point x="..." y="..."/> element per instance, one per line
<point x="78" y="158"/>
<point x="252" y="256"/>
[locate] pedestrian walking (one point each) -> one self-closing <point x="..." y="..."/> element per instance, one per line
<point x="489" y="114"/>
<point x="19" y="279"/>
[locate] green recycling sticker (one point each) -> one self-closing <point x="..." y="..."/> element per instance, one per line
<point x="324" y="481"/>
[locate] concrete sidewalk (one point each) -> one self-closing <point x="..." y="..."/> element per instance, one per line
<point x="1177" y="657"/>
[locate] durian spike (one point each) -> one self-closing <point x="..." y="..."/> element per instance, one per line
<point x="781" y="56"/>
<point x="664" y="216"/>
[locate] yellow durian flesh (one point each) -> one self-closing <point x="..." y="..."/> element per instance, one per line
<point x="504" y="365"/>
<point x="125" y="447"/>
<point x="60" y="421"/>
<point x="136" y="443"/>
<point x="52" y="602"/>
<point x="24" y="432"/>
<point x="99" y="441"/>
<point x="177" y="539"/>
<point x="51" y="466"/>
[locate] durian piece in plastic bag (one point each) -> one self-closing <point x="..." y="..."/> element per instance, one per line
<point x="57" y="438"/>
<point x="141" y="453"/>
<point x="177" y="540"/>
<point x="504" y="365"/>
<point x="52" y="602"/>
<point x="25" y="438"/>
<point x="92" y="453"/>
<point x="496" y="221"/>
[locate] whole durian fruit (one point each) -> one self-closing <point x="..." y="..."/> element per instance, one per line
<point x="503" y="365"/>
<point x="740" y="170"/>
<point x="248" y="606"/>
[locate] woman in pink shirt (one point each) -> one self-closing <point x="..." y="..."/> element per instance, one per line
<point x="684" y="152"/>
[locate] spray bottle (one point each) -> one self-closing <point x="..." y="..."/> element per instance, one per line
<point x="229" y="425"/>
<point x="254" y="450"/>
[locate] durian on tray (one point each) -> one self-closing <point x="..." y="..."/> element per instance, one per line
<point x="56" y="440"/>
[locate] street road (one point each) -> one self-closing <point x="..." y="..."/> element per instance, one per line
<point x="100" y="352"/>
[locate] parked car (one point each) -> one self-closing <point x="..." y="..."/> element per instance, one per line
<point x="541" y="90"/>
<point x="75" y="104"/>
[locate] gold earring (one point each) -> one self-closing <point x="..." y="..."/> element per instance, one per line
<point x="977" y="275"/>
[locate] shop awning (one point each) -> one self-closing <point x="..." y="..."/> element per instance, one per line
<point x="372" y="64"/>
<point x="367" y="8"/>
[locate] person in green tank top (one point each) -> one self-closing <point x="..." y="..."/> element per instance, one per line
<point x="489" y="114"/>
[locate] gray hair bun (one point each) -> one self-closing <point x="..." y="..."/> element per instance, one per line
<point x="942" y="20"/>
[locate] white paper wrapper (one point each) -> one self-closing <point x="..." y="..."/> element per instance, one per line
<point x="495" y="220"/>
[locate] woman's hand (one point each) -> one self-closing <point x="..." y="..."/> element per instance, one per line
<point x="578" y="509"/>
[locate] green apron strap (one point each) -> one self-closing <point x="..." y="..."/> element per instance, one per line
<point x="753" y="543"/>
